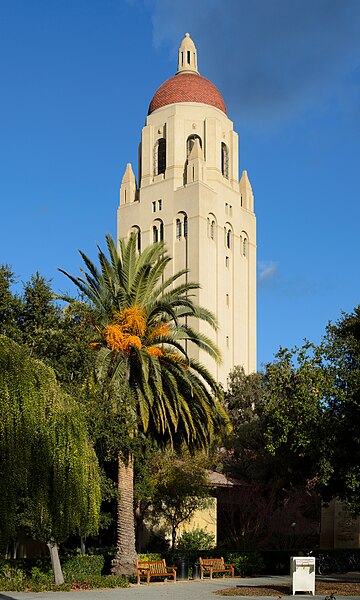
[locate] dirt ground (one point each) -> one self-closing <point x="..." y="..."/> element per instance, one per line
<point x="338" y="587"/>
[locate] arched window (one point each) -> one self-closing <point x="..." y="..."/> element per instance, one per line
<point x="160" y="156"/>
<point x="228" y="238"/>
<point x="181" y="226"/>
<point x="224" y="160"/>
<point x="190" y="143"/>
<point x="135" y="230"/>
<point x="212" y="230"/>
<point x="158" y="231"/>
<point x="244" y="247"/>
<point x="155" y="234"/>
<point x="185" y="226"/>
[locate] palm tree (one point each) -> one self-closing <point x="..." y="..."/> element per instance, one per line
<point x="142" y="334"/>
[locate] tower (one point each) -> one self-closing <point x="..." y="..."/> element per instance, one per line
<point x="189" y="195"/>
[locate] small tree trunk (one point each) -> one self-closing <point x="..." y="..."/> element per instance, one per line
<point x="55" y="562"/>
<point x="138" y="526"/>
<point x="173" y="538"/>
<point x="82" y="545"/>
<point x="124" y="561"/>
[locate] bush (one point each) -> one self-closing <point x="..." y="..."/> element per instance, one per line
<point x="197" y="539"/>
<point x="82" y="566"/>
<point x="247" y="564"/>
<point x="150" y="556"/>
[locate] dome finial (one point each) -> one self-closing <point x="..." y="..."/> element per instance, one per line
<point x="187" y="61"/>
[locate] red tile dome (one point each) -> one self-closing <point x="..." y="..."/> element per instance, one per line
<point x="187" y="87"/>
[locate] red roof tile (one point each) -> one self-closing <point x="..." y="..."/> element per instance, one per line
<point x="187" y="87"/>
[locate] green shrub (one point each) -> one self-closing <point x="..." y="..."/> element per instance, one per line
<point x="107" y="581"/>
<point x="82" y="566"/>
<point x="150" y="556"/>
<point x="247" y="564"/>
<point x="80" y="571"/>
<point x="197" y="539"/>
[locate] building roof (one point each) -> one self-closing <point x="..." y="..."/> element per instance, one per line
<point x="220" y="480"/>
<point x="187" y="87"/>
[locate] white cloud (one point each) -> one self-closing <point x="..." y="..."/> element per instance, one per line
<point x="267" y="271"/>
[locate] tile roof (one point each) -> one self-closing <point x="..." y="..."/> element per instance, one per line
<point x="187" y="87"/>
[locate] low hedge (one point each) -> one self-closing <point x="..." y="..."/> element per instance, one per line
<point x="80" y="572"/>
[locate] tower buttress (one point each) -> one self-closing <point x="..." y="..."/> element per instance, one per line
<point x="128" y="186"/>
<point x="247" y="196"/>
<point x="195" y="168"/>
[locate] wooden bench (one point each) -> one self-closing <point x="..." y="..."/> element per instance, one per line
<point x="153" y="568"/>
<point x="215" y="565"/>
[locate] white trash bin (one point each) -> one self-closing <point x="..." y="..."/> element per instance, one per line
<point x="302" y="571"/>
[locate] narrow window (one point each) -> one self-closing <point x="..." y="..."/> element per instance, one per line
<point x="161" y="231"/>
<point x="178" y="229"/>
<point x="182" y="59"/>
<point x="230" y="210"/>
<point x="212" y="230"/>
<point x="227" y="341"/>
<point x="227" y="262"/>
<point x="226" y="208"/>
<point x="155" y="234"/>
<point x="154" y="206"/>
<point x="227" y="299"/>
<point x="160" y="204"/>
<point x="185" y="227"/>
<point x="224" y="160"/>
<point x="228" y="238"/>
<point x="161" y="156"/>
<point x="139" y="241"/>
<point x="244" y="247"/>
<point x="188" y="56"/>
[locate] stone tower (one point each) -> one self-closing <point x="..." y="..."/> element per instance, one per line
<point x="189" y="195"/>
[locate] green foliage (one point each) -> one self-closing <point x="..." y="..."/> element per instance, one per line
<point x="10" y="305"/>
<point x="341" y="350"/>
<point x="168" y="394"/>
<point x="58" y="336"/>
<point x="150" y="386"/>
<point x="180" y="488"/>
<point x="197" y="539"/>
<point x="49" y="472"/>
<point x="84" y="573"/>
<point x="247" y="564"/>
<point x="150" y="556"/>
<point x="76" y="568"/>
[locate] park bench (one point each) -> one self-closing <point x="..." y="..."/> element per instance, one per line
<point x="215" y="565"/>
<point x="153" y="568"/>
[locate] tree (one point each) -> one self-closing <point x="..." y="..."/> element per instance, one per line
<point x="181" y="487"/>
<point x="48" y="469"/>
<point x="341" y="352"/>
<point x="10" y="305"/>
<point x="143" y="330"/>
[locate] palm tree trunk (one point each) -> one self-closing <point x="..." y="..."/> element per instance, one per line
<point x="124" y="561"/>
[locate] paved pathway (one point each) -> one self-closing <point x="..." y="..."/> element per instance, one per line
<point x="182" y="590"/>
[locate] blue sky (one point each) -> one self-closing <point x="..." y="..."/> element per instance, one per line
<point x="77" y="77"/>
